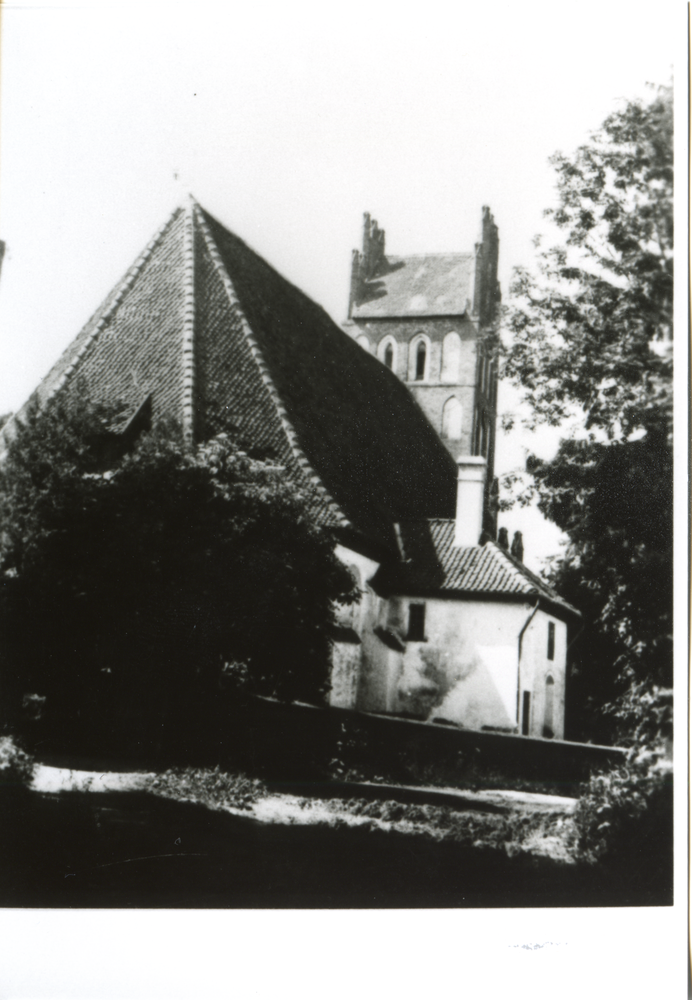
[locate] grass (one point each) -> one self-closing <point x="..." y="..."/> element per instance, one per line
<point x="546" y="833"/>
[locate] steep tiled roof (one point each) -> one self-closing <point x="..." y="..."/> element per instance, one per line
<point x="432" y="564"/>
<point x="427" y="285"/>
<point x="220" y="341"/>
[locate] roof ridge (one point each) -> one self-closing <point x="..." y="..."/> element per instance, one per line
<point x="439" y="253"/>
<point x="124" y="286"/>
<point x="198" y="213"/>
<point x="188" y="400"/>
<point x="528" y="574"/>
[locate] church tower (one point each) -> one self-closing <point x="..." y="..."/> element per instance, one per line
<point x="426" y="317"/>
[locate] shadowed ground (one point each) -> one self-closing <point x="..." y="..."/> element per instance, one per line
<point x="132" y="849"/>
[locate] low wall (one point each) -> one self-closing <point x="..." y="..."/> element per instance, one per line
<point x="304" y="736"/>
<point x="306" y="742"/>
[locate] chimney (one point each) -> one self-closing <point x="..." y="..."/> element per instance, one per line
<point x="518" y="546"/>
<point x="470" y="493"/>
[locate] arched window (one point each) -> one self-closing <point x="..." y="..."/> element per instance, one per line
<point x="421" y="357"/>
<point x="548" y="729"/>
<point x="451" y="358"/>
<point x="386" y="352"/>
<point x="364" y="343"/>
<point x="451" y="419"/>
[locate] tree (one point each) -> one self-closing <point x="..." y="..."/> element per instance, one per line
<point x="591" y="345"/>
<point x="128" y="587"/>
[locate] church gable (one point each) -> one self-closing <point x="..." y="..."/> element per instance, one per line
<point x="138" y="351"/>
<point x="206" y="332"/>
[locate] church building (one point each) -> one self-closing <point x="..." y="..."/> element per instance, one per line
<point x="391" y="445"/>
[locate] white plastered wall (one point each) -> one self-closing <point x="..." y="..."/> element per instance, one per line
<point x="356" y="622"/>
<point x="536" y="667"/>
<point x="467" y="669"/>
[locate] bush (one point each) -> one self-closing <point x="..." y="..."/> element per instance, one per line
<point x="624" y="821"/>
<point x="624" y="818"/>
<point x="149" y="570"/>
<point x="16" y="766"/>
<point x="213" y="788"/>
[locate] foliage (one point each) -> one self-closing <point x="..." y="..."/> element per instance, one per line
<point x="624" y="820"/>
<point x="127" y="584"/>
<point x="510" y="833"/>
<point x="16" y="766"/>
<point x="213" y="788"/>
<point x="590" y="345"/>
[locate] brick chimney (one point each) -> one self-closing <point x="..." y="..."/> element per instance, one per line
<point x="470" y="496"/>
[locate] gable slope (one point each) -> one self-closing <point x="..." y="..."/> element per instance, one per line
<point x="220" y="341"/>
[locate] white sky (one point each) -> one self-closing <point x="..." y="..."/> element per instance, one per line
<point x="287" y="122"/>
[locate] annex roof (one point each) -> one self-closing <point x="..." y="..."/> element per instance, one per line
<point x="221" y="342"/>
<point x="425" y="285"/>
<point x="431" y="564"/>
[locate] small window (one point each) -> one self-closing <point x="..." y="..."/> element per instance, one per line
<point x="416" y="623"/>
<point x="526" y="713"/>
<point x="548" y="730"/>
<point x="551" y="640"/>
<point x="389" y="356"/>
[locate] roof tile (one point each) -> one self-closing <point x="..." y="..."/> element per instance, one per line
<point x="222" y="342"/>
<point x="433" y="564"/>
<point x="426" y="285"/>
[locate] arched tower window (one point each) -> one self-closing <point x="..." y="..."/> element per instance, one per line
<point x="451" y="419"/>
<point x="364" y="343"/>
<point x="386" y="352"/>
<point x="451" y="358"/>
<point x="421" y="357"/>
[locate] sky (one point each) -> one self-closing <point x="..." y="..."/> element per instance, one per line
<point x="287" y="122"/>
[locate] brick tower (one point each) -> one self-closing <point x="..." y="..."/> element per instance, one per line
<point x="425" y="317"/>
